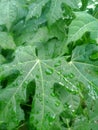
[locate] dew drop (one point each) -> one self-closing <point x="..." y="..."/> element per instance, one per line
<point x="49" y="71"/>
<point x="47" y="102"/>
<point x="52" y="94"/>
<point x="58" y="64"/>
<point x="71" y="75"/>
<point x="36" y="122"/>
<point x="51" y="117"/>
<point x="25" y="83"/>
<point x="50" y="123"/>
<point x="94" y="56"/>
<point x="37" y="112"/>
<point x="38" y="95"/>
<point x="40" y="99"/>
<point x="57" y="103"/>
<point x="70" y="106"/>
<point x="65" y="105"/>
<point x="37" y="76"/>
<point x="60" y="83"/>
<point x="73" y="110"/>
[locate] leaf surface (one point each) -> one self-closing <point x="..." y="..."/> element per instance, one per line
<point x="56" y="11"/>
<point x="46" y="107"/>
<point x="9" y="10"/>
<point x="81" y="24"/>
<point x="35" y="9"/>
<point x="6" y="41"/>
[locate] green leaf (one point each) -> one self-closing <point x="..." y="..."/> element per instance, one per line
<point x="44" y="52"/>
<point x="84" y="4"/>
<point x="2" y="59"/>
<point x="81" y="24"/>
<point x="46" y="107"/>
<point x="10" y="111"/>
<point x="42" y="35"/>
<point x="6" y="41"/>
<point x="56" y="12"/>
<point x="9" y="10"/>
<point x="69" y="100"/>
<point x="30" y="68"/>
<point x="35" y="9"/>
<point x="45" y="82"/>
<point x="26" y="32"/>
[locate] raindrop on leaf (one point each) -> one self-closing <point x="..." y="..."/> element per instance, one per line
<point x="49" y="71"/>
<point x="70" y="106"/>
<point x="58" y="64"/>
<point x="94" y="56"/>
<point x="37" y="76"/>
<point x="52" y="94"/>
<point x="71" y="75"/>
<point x="51" y="117"/>
<point x="57" y="103"/>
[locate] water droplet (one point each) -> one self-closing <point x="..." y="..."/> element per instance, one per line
<point x="94" y="56"/>
<point x="49" y="71"/>
<point x="37" y="112"/>
<point x="92" y="92"/>
<point x="47" y="101"/>
<point x="71" y="75"/>
<point x="52" y="94"/>
<point x="59" y="73"/>
<point x="70" y="106"/>
<point x="51" y="117"/>
<point x="37" y="76"/>
<point x="60" y="83"/>
<point x="65" y="105"/>
<point x="38" y="95"/>
<point x="40" y="99"/>
<point x="20" y="63"/>
<point x="58" y="64"/>
<point x="57" y="103"/>
<point x="73" y="110"/>
<point x="50" y="123"/>
<point x="36" y="122"/>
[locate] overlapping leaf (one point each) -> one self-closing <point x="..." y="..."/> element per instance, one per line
<point x="46" y="107"/>
<point x="6" y="41"/>
<point x="2" y="59"/>
<point x="81" y="24"/>
<point x="9" y="10"/>
<point x="55" y="11"/>
<point x="35" y="9"/>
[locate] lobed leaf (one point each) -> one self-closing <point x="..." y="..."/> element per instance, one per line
<point x="46" y="107"/>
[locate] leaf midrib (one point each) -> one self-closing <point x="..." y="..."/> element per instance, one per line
<point x="72" y="36"/>
<point x="21" y="84"/>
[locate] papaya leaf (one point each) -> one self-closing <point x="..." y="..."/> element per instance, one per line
<point x="46" y="107"/>
<point x="81" y="24"/>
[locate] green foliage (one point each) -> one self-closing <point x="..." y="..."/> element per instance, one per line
<point x="48" y="65"/>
